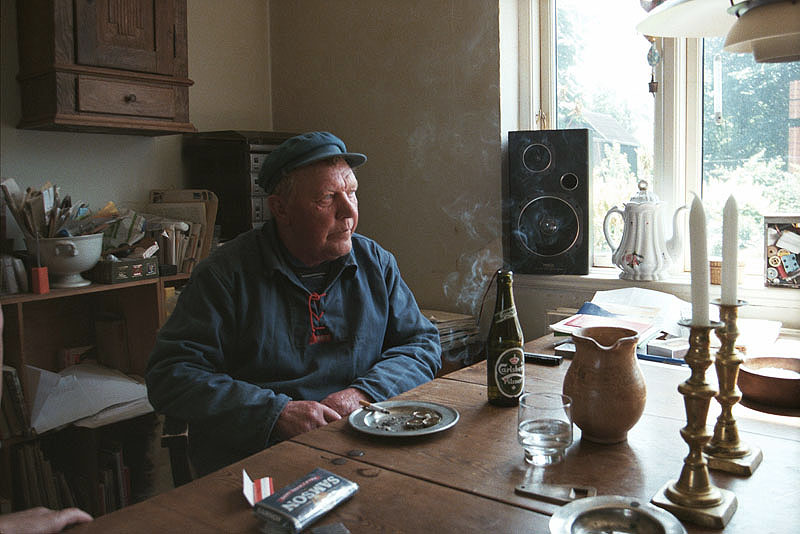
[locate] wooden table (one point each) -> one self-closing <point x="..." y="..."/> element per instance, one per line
<point x="463" y="479"/>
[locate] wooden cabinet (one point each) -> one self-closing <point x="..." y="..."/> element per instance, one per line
<point x="113" y="66"/>
<point x="37" y="328"/>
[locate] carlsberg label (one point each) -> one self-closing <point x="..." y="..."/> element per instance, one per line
<point x="503" y="315"/>
<point x="509" y="372"/>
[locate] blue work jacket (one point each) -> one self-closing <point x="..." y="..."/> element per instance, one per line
<point x="238" y="346"/>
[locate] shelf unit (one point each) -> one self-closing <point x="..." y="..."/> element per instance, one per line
<point x="37" y="327"/>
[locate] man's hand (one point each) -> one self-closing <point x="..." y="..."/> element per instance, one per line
<point x="345" y="401"/>
<point x="301" y="416"/>
<point x="42" y="520"/>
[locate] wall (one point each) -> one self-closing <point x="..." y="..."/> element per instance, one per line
<point x="429" y="90"/>
<point x="425" y="89"/>
<point x="227" y="61"/>
<point x="415" y="86"/>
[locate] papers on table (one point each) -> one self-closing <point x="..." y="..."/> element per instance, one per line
<point x="646" y="311"/>
<point x="651" y="312"/>
<point x="661" y="309"/>
<point x="571" y="325"/>
<point x="89" y="391"/>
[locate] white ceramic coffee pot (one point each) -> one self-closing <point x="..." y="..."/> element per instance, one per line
<point x="643" y="253"/>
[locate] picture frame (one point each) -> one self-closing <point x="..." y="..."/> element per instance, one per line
<point x="782" y="251"/>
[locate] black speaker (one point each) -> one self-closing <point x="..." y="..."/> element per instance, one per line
<point x="546" y="212"/>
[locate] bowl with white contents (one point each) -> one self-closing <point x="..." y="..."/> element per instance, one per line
<point x="771" y="381"/>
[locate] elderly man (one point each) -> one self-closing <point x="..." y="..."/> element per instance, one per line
<point x="285" y="328"/>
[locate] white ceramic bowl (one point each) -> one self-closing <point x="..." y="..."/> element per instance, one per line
<point x="67" y="257"/>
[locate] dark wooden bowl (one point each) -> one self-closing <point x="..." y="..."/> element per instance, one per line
<point x="770" y="381"/>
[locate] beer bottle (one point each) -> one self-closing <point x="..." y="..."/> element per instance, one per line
<point x="505" y="361"/>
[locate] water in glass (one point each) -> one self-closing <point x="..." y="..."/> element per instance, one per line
<point x="544" y="427"/>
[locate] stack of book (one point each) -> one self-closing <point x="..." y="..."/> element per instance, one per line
<point x="37" y="482"/>
<point x="15" y="419"/>
<point x="14" y="278"/>
<point x="34" y="478"/>
<point x="114" y="485"/>
<point x="455" y="329"/>
<point x="181" y="222"/>
<point x="177" y="242"/>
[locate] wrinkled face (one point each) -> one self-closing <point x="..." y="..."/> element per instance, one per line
<point x="318" y="214"/>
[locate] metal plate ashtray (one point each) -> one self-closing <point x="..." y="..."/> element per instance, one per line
<point x="405" y="418"/>
<point x="612" y="513"/>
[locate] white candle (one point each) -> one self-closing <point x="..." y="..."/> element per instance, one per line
<point x="699" y="262"/>
<point x="730" y="245"/>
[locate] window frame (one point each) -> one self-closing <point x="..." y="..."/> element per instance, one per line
<point x="678" y="125"/>
<point x="679" y="73"/>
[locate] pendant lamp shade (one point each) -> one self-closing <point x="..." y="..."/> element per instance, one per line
<point x="688" y="18"/>
<point x="769" y="29"/>
<point x="771" y="32"/>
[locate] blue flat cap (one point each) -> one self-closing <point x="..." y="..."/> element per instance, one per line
<point x="302" y="150"/>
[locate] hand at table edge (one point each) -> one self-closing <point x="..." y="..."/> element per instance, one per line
<point x="346" y="401"/>
<point x="41" y="520"/>
<point x="301" y="416"/>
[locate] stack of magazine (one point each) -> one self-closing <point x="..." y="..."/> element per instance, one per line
<point x="455" y="329"/>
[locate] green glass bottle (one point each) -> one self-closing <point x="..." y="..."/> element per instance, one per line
<point x="505" y="361"/>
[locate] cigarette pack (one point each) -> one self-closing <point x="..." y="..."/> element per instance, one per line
<point x="294" y="507"/>
<point x="675" y="347"/>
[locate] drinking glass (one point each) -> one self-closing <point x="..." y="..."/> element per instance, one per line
<point x="544" y="427"/>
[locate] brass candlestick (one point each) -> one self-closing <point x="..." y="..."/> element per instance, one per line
<point x="692" y="497"/>
<point x="725" y="451"/>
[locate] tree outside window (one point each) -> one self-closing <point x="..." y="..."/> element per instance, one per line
<point x="750" y="123"/>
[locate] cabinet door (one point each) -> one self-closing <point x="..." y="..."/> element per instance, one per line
<point x="133" y="35"/>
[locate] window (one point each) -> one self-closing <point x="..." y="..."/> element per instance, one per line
<point x="601" y="84"/>
<point x="718" y="123"/>
<point x="751" y="144"/>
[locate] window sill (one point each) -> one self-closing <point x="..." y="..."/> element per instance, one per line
<point x="779" y="303"/>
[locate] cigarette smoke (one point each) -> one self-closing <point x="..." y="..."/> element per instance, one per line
<point x="474" y="269"/>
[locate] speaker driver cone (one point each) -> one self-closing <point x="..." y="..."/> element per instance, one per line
<point x="547" y="226"/>
<point x="537" y="157"/>
<point x="569" y="181"/>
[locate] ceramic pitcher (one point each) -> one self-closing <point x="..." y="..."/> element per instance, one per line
<point x="605" y="382"/>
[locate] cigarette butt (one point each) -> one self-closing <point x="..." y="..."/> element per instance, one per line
<point x="373" y="407"/>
